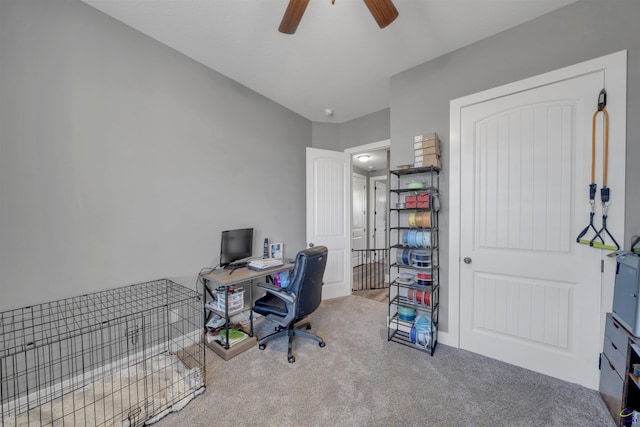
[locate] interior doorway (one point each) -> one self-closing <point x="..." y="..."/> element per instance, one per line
<point x="370" y="168"/>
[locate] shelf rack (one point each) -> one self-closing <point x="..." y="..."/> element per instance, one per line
<point x="403" y="183"/>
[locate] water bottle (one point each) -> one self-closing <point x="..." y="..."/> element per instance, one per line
<point x="284" y="279"/>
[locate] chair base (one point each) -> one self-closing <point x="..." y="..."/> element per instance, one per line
<point x="291" y="331"/>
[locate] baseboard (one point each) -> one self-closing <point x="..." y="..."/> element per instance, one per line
<point x="330" y="292"/>
<point x="447" y="339"/>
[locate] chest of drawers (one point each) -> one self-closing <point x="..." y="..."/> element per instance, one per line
<point x="618" y="386"/>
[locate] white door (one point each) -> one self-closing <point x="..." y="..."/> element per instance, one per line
<point x="358" y="218"/>
<point x="328" y="216"/>
<point x="529" y="294"/>
<point x="379" y="197"/>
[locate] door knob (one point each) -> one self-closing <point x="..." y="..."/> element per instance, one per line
<point x="467" y="260"/>
<point x="310" y="245"/>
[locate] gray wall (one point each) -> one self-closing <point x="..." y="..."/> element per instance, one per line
<point x="326" y="136"/>
<point x="122" y="160"/>
<point x="581" y="31"/>
<point x="373" y="127"/>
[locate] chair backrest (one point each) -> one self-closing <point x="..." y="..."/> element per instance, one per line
<point x="306" y="283"/>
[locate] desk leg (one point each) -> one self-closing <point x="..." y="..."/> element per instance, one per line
<point x="226" y="316"/>
<point x="204" y="308"/>
<point x="251" y="308"/>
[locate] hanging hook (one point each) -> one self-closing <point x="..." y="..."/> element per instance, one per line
<point x="602" y="100"/>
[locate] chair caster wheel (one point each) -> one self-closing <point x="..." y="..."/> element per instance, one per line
<point x="321" y="344"/>
<point x="262" y="346"/>
<point x="291" y="359"/>
<point x="309" y="326"/>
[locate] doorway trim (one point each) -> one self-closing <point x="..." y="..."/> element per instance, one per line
<point x="615" y="66"/>
<point x="372" y="208"/>
<point x="378" y="145"/>
<point x="364" y="214"/>
<point x="373" y="146"/>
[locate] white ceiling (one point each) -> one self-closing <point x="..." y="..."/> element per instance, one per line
<point x="377" y="160"/>
<point x="339" y="58"/>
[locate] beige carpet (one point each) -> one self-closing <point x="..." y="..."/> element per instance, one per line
<point x="380" y="295"/>
<point x="361" y="379"/>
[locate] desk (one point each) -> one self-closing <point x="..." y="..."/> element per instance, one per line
<point x="228" y="278"/>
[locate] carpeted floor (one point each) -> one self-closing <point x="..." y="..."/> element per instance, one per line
<point x="381" y="295"/>
<point x="361" y="379"/>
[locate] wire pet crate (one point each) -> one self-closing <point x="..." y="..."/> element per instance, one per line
<point x="122" y="357"/>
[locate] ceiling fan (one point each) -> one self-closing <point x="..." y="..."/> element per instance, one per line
<point x="383" y="11"/>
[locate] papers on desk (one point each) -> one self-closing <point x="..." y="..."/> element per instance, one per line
<point x="263" y="264"/>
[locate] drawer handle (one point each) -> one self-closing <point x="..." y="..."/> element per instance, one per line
<point x="611" y="366"/>
<point x="615" y="325"/>
<point x="614" y="346"/>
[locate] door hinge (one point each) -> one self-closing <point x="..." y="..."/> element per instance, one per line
<point x="601" y="266"/>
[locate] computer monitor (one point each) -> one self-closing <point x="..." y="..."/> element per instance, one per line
<point x="236" y="245"/>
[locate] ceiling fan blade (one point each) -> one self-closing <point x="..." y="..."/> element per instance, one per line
<point x="383" y="11"/>
<point x="292" y="16"/>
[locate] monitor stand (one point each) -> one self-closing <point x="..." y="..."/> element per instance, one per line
<point x="234" y="265"/>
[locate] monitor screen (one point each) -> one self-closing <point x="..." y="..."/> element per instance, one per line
<point x="236" y="245"/>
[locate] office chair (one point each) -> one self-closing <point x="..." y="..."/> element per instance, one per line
<point x="287" y="307"/>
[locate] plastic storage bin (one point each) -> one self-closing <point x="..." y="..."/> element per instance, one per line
<point x="236" y="300"/>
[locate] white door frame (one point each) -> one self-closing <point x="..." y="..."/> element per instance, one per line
<point x="373" y="146"/>
<point x="372" y="208"/>
<point x="365" y="214"/>
<point x="615" y="65"/>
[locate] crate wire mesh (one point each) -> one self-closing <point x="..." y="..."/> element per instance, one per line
<point x="121" y="357"/>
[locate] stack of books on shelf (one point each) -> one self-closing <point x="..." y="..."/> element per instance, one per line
<point x="427" y="151"/>
<point x="235" y="336"/>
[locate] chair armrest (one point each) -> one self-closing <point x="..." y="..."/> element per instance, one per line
<point x="278" y="292"/>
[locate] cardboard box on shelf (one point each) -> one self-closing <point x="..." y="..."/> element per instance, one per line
<point x="426" y="137"/>
<point x="426" y="144"/>
<point x="427" y="159"/>
<point x="433" y="162"/>
<point x="434" y="149"/>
